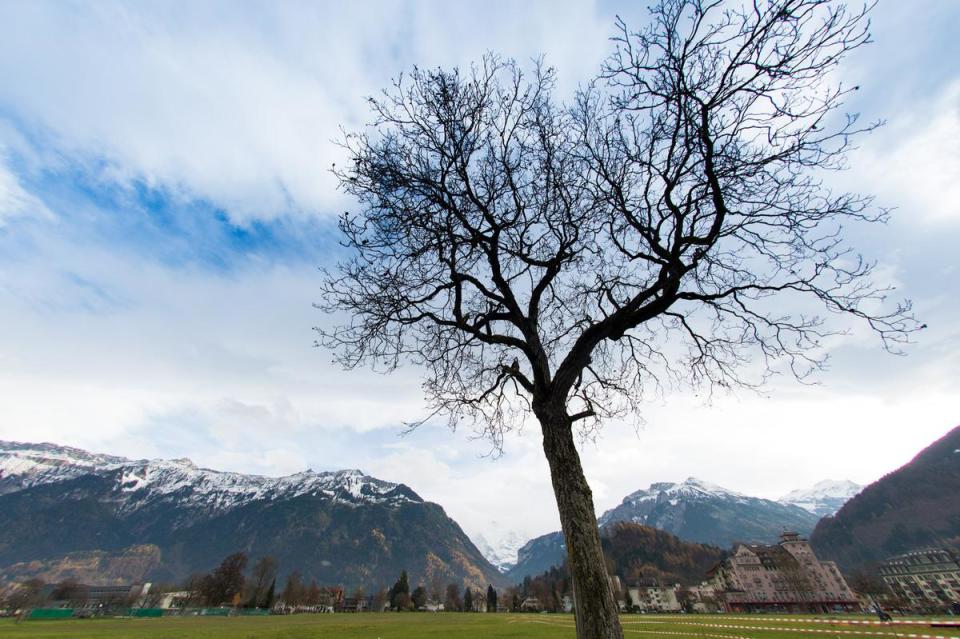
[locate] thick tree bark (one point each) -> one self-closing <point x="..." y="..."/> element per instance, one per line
<point x="595" y="606"/>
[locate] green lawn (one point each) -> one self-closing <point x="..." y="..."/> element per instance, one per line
<point x="454" y="626"/>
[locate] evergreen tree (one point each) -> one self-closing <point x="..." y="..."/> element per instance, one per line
<point x="271" y="594"/>
<point x="491" y="599"/>
<point x="400" y="592"/>
<point x="467" y="600"/>
<point x="419" y="597"/>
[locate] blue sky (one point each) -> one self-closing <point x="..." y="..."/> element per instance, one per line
<point x="165" y="200"/>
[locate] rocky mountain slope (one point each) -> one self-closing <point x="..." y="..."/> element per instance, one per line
<point x="824" y="498"/>
<point x="915" y="506"/>
<point x="341" y="527"/>
<point x="633" y="551"/>
<point x="537" y="556"/>
<point x="638" y="552"/>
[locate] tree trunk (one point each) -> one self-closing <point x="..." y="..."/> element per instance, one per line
<point x="595" y="606"/>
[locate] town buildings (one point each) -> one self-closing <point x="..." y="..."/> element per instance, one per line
<point x="785" y="577"/>
<point x="925" y="580"/>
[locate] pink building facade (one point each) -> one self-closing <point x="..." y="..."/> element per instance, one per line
<point x="786" y="576"/>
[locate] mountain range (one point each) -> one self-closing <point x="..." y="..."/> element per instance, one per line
<point x="698" y="511"/>
<point x="66" y="507"/>
<point x="72" y="514"/>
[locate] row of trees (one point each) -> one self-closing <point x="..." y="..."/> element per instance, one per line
<point x="229" y="583"/>
<point x="401" y="598"/>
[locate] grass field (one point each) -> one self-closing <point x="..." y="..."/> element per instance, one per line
<point x="460" y="626"/>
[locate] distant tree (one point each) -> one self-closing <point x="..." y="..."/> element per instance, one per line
<point x="467" y="600"/>
<point x="401" y="588"/>
<point x="28" y="594"/>
<point x="435" y="591"/>
<point x="525" y="586"/>
<point x="294" y="590"/>
<point x="71" y="591"/>
<point x="270" y="595"/>
<point x="870" y="585"/>
<point x="491" y="599"/>
<point x="479" y="601"/>
<point x="510" y="596"/>
<point x="628" y="599"/>
<point x="312" y="597"/>
<point x="403" y="602"/>
<point x="359" y="593"/>
<point x="262" y="574"/>
<point x="226" y="581"/>
<point x="381" y="600"/>
<point x="452" y="602"/>
<point x="669" y="229"/>
<point x="419" y="597"/>
<point x="196" y="584"/>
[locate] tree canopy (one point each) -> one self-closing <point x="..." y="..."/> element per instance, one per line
<point x="670" y="226"/>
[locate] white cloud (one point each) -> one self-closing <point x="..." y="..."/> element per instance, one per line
<point x="242" y="107"/>
<point x="15" y="201"/>
<point x="914" y="163"/>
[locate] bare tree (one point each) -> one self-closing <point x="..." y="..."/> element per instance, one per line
<point x="668" y="229"/>
<point x="263" y="573"/>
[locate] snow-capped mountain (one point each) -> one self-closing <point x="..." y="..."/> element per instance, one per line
<point x="25" y="465"/>
<point x="341" y="527"/>
<point x="696" y="510"/>
<point x="142" y="482"/>
<point x="499" y="544"/>
<point x="824" y="498"/>
<point x="673" y="493"/>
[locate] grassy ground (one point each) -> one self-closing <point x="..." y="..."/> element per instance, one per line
<point x="457" y="626"/>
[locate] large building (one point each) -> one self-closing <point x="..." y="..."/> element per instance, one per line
<point x="926" y="579"/>
<point x="652" y="597"/>
<point x="786" y="576"/>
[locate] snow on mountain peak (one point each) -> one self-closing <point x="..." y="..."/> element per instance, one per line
<point x="823" y="498"/>
<point x="689" y="488"/>
<point x="146" y="481"/>
<point x="500" y="544"/>
<point x="23" y="465"/>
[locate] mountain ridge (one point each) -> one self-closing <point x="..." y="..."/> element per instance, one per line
<point x="339" y="526"/>
<point x="914" y="506"/>
<point x="26" y="465"/>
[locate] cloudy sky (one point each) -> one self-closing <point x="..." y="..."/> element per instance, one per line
<point x="165" y="202"/>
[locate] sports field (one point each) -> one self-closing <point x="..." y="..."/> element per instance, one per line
<point x="469" y="626"/>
